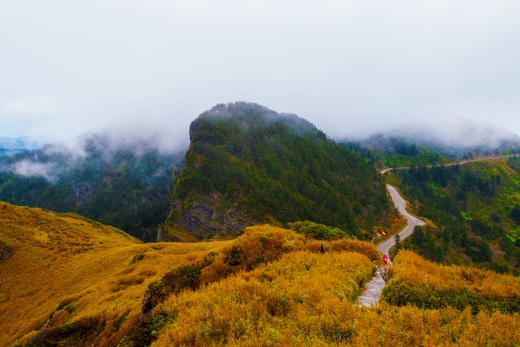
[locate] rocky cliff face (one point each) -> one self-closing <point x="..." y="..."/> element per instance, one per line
<point x="204" y="219"/>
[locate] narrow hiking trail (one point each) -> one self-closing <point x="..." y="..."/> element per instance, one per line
<point x="373" y="289"/>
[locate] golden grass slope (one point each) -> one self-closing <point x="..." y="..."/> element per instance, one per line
<point x="72" y="281"/>
<point x="431" y="285"/>
<point x="288" y="300"/>
<point x="65" y="268"/>
<point x="347" y="325"/>
<point x="415" y="270"/>
<point x="305" y="299"/>
<point x="49" y="251"/>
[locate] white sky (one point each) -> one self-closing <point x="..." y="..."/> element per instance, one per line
<point x="351" y="67"/>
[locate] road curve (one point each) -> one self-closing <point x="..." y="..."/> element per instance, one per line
<point x="374" y="288"/>
<point x="413" y="221"/>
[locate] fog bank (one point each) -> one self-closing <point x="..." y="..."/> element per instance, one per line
<point x="145" y="69"/>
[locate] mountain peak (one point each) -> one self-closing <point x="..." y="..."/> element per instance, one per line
<point x="248" y="164"/>
<point x="250" y="115"/>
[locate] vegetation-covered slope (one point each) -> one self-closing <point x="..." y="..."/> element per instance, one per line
<point x="116" y="186"/>
<point x="287" y="300"/>
<point x="386" y="151"/>
<point x="430" y="285"/>
<point x="247" y="164"/>
<point x="68" y="281"/>
<point x="473" y="210"/>
<point x="53" y="266"/>
<point x="395" y="151"/>
<point x="71" y="281"/>
<point x="304" y="299"/>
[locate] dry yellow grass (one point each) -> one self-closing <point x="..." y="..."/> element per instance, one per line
<point x="415" y="270"/>
<point x="305" y="299"/>
<point x="287" y="300"/>
<point x="71" y="281"/>
<point x="430" y="285"/>
<point x="82" y="265"/>
<point x="66" y="269"/>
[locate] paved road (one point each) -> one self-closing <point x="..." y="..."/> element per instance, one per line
<point x="374" y="288"/>
<point x="462" y="162"/>
<point x="413" y="221"/>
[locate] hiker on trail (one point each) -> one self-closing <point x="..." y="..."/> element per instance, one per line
<point x="385" y="259"/>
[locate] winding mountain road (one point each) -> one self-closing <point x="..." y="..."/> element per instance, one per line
<point x="373" y="289"/>
<point x="413" y="221"/>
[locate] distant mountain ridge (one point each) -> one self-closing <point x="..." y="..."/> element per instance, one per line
<point x="125" y="187"/>
<point x="389" y="150"/>
<point x="19" y="143"/>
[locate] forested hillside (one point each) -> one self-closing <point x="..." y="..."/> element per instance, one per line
<point x="386" y="151"/>
<point x="474" y="209"/>
<point x="395" y="151"/>
<point x="247" y="164"/>
<point x="117" y="186"/>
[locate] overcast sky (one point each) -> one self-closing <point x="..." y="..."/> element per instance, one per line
<point x="351" y="67"/>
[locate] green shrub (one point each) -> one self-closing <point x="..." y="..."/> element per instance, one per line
<point x="318" y="231"/>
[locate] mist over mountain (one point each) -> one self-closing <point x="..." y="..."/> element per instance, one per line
<point x="13" y="145"/>
<point x="417" y="146"/>
<point x="116" y="181"/>
<point x="86" y="174"/>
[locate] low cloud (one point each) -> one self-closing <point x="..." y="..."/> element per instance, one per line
<point x="30" y="168"/>
<point x="54" y="160"/>
<point x="352" y="68"/>
<point x="465" y="134"/>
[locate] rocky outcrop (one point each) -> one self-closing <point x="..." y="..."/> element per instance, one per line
<point x="5" y="252"/>
<point x="206" y="218"/>
<point x="82" y="193"/>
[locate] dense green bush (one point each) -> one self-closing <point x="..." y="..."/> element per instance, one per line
<point x="318" y="231"/>
<point x="400" y="294"/>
